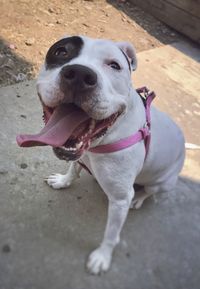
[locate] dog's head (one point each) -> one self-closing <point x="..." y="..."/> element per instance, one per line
<point x="91" y="75"/>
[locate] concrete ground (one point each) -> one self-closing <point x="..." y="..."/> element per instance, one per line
<point x="46" y="235"/>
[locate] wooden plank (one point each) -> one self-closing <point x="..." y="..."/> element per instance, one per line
<point x="190" y="6"/>
<point x="173" y="16"/>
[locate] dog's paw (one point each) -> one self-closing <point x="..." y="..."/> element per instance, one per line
<point x="99" y="261"/>
<point x="58" y="181"/>
<point x="138" y="201"/>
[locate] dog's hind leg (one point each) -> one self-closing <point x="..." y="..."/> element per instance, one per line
<point x="139" y="198"/>
<point x="58" y="181"/>
<point x="148" y="191"/>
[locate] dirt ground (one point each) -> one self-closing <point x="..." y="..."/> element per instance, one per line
<point x="28" y="28"/>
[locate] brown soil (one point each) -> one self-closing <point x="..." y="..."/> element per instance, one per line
<point x="28" y="28"/>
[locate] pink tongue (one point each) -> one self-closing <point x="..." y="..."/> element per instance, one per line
<point x="64" y="120"/>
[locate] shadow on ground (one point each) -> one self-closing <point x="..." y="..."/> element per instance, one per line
<point x="13" y="68"/>
<point x="157" y="29"/>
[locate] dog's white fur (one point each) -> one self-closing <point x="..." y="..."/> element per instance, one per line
<point x="116" y="172"/>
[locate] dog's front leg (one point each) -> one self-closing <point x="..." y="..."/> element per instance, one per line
<point x="58" y="181"/>
<point x="100" y="259"/>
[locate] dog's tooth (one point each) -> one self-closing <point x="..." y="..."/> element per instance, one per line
<point x="78" y="145"/>
<point x="91" y="129"/>
<point x="92" y="125"/>
<point x="70" y="149"/>
<point x="85" y="135"/>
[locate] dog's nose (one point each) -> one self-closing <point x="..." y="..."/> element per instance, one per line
<point x="78" y="77"/>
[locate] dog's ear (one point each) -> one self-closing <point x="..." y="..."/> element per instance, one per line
<point x="129" y="52"/>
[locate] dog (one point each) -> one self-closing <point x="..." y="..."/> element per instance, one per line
<point x="89" y="101"/>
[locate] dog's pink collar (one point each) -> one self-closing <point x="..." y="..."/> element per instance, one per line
<point x="143" y="134"/>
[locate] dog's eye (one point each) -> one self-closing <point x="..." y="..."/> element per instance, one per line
<point x="114" y="65"/>
<point x="61" y="51"/>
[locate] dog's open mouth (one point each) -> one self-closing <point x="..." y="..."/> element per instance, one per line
<point x="68" y="129"/>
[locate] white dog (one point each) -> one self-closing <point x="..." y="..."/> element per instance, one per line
<point x="86" y="91"/>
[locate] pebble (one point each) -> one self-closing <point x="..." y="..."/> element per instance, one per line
<point x="12" y="46"/>
<point x="30" y="41"/>
<point x="197" y="112"/>
<point x="23" y="166"/>
<point x="23" y="115"/>
<point x="88" y="7"/>
<point x="59" y="21"/>
<point x="20" y="77"/>
<point x="102" y="30"/>
<point x="6" y="248"/>
<point x="85" y="24"/>
<point x="51" y="10"/>
<point x="187" y="112"/>
<point x="196" y="104"/>
<point x="50" y="24"/>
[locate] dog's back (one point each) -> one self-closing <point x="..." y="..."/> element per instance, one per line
<point x="166" y="152"/>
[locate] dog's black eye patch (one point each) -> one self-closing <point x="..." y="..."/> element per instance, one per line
<point x="63" y="51"/>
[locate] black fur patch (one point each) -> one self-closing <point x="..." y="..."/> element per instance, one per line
<point x="63" y="51"/>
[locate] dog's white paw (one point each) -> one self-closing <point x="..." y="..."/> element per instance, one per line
<point x="138" y="201"/>
<point x="99" y="261"/>
<point x="58" y="181"/>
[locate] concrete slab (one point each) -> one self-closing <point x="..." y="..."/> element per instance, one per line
<point x="45" y="235"/>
